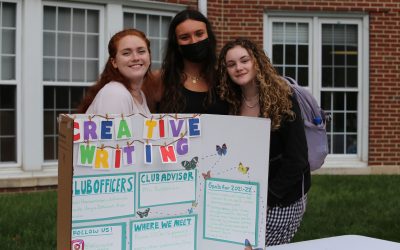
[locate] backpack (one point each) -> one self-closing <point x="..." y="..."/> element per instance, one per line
<point x="315" y="121"/>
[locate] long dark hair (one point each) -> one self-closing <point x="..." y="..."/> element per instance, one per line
<point x="110" y="73"/>
<point x="172" y="76"/>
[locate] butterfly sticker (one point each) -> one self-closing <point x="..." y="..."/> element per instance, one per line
<point x="190" y="210"/>
<point x="192" y="164"/>
<point x="221" y="150"/>
<point x="206" y="175"/>
<point x="144" y="213"/>
<point x="242" y="169"/>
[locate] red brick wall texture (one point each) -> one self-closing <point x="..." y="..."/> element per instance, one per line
<point x="233" y="18"/>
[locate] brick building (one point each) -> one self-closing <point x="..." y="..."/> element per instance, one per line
<point x="346" y="53"/>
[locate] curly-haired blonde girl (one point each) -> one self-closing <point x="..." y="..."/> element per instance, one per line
<point x="274" y="92"/>
<point x="252" y="87"/>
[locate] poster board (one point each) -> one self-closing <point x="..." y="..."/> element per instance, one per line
<point x="162" y="182"/>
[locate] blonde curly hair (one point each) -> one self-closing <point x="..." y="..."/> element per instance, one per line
<point x="274" y="92"/>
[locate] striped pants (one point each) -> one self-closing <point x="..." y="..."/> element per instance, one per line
<point x="283" y="222"/>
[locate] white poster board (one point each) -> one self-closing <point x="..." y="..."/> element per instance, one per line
<point x="169" y="182"/>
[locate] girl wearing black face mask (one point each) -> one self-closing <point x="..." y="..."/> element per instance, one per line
<point x="186" y="81"/>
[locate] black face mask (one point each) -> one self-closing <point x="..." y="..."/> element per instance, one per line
<point x="196" y="52"/>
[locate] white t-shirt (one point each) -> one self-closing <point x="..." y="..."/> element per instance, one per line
<point x="114" y="98"/>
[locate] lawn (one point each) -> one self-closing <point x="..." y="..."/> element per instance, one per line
<point x="337" y="205"/>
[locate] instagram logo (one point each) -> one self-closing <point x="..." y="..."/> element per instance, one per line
<point x="77" y="245"/>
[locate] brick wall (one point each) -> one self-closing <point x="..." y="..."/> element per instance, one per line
<point x="232" y="18"/>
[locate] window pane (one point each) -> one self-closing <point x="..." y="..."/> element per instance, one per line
<point x="49" y="44"/>
<point x="338" y="101"/>
<point x="128" y="20"/>
<point x="8" y="15"/>
<point x="303" y="55"/>
<point x="327" y="77"/>
<point x="62" y="98"/>
<point x="351" y="122"/>
<point x="49" y="69"/>
<point x="338" y="144"/>
<point x="277" y="32"/>
<point x="78" y="70"/>
<point x="77" y="49"/>
<point x="339" y="55"/>
<point x="338" y="122"/>
<point x="8" y="149"/>
<point x="64" y="45"/>
<point x="7" y="67"/>
<point x="165" y="25"/>
<point x="351" y="144"/>
<point x="291" y="33"/>
<point x="49" y="117"/>
<point x="7" y="123"/>
<point x="92" y="46"/>
<point x="92" y="69"/>
<point x="351" y="77"/>
<point x="290" y="71"/>
<point x="48" y="96"/>
<point x="351" y="101"/>
<point x="141" y="22"/>
<point x="64" y="19"/>
<point x="277" y="54"/>
<point x="339" y="77"/>
<point x="79" y="20"/>
<point x="77" y="94"/>
<point x="49" y="18"/>
<point x="63" y="70"/>
<point x="49" y="148"/>
<point x="327" y="55"/>
<point x="352" y="54"/>
<point x="154" y="23"/>
<point x="302" y="76"/>
<point x="290" y="56"/>
<point x="8" y="42"/>
<point x="8" y="137"/>
<point x="92" y="21"/>
<point x="155" y="50"/>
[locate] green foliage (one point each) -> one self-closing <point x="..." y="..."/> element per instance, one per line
<point x="337" y="205"/>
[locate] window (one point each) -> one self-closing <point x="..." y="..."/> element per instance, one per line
<point x="71" y="58"/>
<point x="323" y="54"/>
<point x="8" y="84"/>
<point x="339" y="93"/>
<point x="155" y="26"/>
<point x="290" y="46"/>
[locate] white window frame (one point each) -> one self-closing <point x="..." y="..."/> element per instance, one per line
<point x="149" y="12"/>
<point x="316" y="20"/>
<point x="4" y="166"/>
<point x="102" y="51"/>
<point x="102" y="44"/>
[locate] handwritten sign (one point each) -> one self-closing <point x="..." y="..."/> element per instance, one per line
<point x="168" y="181"/>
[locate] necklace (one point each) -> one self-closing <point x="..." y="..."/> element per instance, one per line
<point x="246" y="102"/>
<point x="194" y="79"/>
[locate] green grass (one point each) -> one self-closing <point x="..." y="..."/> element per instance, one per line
<point x="337" y="205"/>
<point x="363" y="205"/>
<point x="28" y="220"/>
